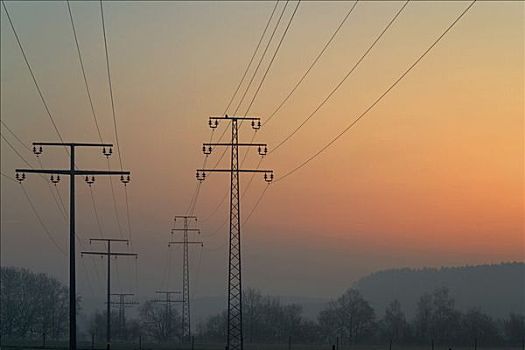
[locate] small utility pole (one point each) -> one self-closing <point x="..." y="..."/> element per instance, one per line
<point x="108" y="254"/>
<point x="235" y="334"/>
<point x="186" y="315"/>
<point x="72" y="172"/>
<point x="122" y="304"/>
<point x="167" y="301"/>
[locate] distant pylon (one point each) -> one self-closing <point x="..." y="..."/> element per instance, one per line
<point x="108" y="254"/>
<point x="167" y="301"/>
<point x="122" y="304"/>
<point x="186" y="314"/>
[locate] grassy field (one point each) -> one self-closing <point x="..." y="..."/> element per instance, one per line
<point x="250" y="347"/>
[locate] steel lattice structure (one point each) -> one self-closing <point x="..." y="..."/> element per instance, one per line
<point x="186" y="314"/>
<point x="235" y="334"/>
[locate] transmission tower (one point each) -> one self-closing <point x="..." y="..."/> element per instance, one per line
<point x="72" y="172"/>
<point x="108" y="254"/>
<point x="186" y="315"/>
<point x="235" y="334"/>
<point x="122" y="304"/>
<point x="167" y="301"/>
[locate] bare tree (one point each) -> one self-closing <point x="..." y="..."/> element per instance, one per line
<point x="350" y="317"/>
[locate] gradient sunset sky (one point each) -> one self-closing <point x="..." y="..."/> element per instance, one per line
<point x="432" y="176"/>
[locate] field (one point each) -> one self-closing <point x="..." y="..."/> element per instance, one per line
<point x="253" y="347"/>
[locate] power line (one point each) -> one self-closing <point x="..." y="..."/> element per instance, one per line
<point x="15" y="151"/>
<point x="262" y="80"/>
<point x="8" y="177"/>
<point x="273" y="57"/>
<point x="251" y="59"/>
<point x="365" y="112"/>
<point x="15" y="135"/>
<point x="110" y="84"/>
<point x="257" y="203"/>
<point x="257" y="91"/>
<point x="370" y="107"/>
<point x="247" y="87"/>
<point x="83" y="71"/>
<point x="88" y="92"/>
<point x="334" y="90"/>
<point x="64" y="215"/>
<point x="32" y="74"/>
<point x="41" y="222"/>
<point x="253" y="76"/>
<point x="260" y="60"/>
<point x="114" y="118"/>
<point x="95" y="211"/>
<point x="314" y="62"/>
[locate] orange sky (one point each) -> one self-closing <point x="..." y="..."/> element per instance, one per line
<point x="432" y="176"/>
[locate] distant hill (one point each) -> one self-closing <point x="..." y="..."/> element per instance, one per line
<point x="494" y="289"/>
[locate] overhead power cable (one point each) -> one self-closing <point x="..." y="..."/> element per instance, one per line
<point x="314" y="62"/>
<point x="394" y="84"/>
<point x="108" y="70"/>
<point x="81" y="61"/>
<point x="115" y="126"/>
<point x="254" y="74"/>
<point x="251" y="59"/>
<point x="439" y="38"/>
<point x="46" y="107"/>
<point x="8" y="177"/>
<point x="334" y="90"/>
<point x="272" y="59"/>
<point x="41" y="222"/>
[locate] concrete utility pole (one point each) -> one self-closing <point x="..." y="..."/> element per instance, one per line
<point x="72" y="172"/>
<point x="167" y="301"/>
<point x="186" y="315"/>
<point x="108" y="254"/>
<point x="122" y="304"/>
<point x="235" y="334"/>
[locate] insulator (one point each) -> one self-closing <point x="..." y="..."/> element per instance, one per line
<point x="124" y="179"/>
<point x="37" y="150"/>
<point x="20" y="177"/>
<point x="256" y="125"/>
<point x="107" y="151"/>
<point x="201" y="176"/>
<point x="213" y="123"/>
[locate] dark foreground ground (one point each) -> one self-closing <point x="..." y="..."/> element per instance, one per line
<point x="197" y="346"/>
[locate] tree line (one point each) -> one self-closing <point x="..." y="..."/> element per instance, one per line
<point x="33" y="304"/>
<point x="350" y="319"/>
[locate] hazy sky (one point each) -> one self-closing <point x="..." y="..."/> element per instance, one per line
<point x="432" y="176"/>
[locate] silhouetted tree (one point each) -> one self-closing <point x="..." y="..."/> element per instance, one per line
<point x="477" y="326"/>
<point x="350" y="317"/>
<point x="159" y="322"/>
<point x="423" y="319"/>
<point x="514" y="328"/>
<point x="32" y="304"/>
<point x="445" y="318"/>
<point x="394" y="326"/>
